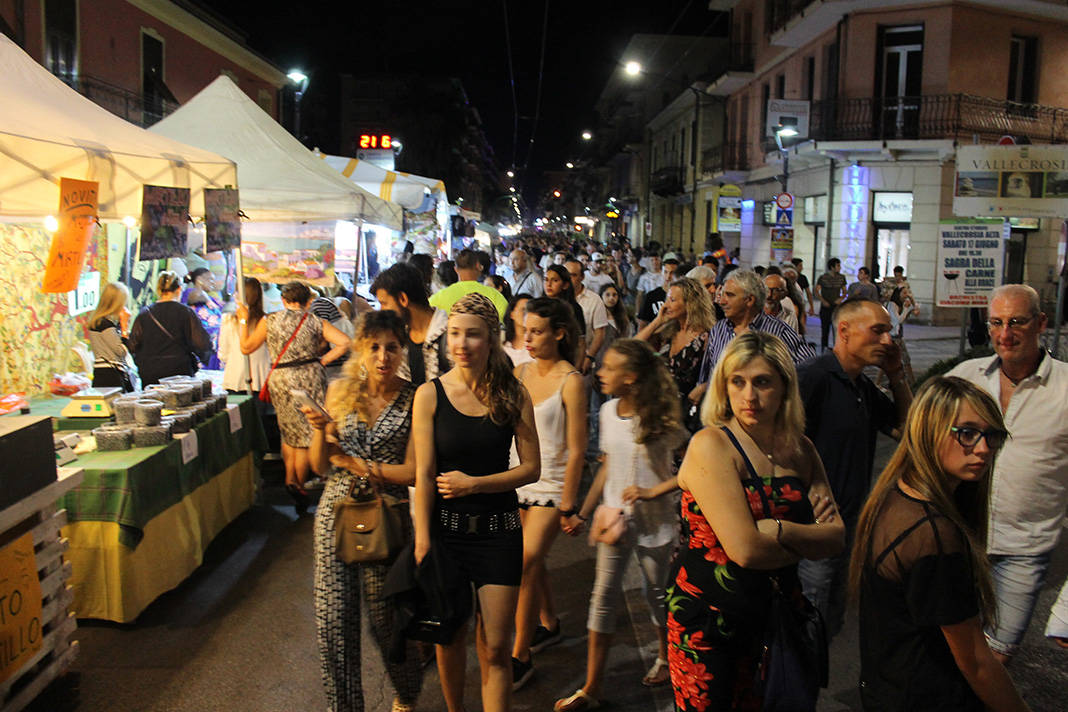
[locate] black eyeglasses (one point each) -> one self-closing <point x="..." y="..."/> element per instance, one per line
<point x="1016" y="322"/>
<point x="969" y="437"/>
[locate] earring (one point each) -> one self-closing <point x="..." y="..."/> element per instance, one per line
<point x="363" y="372"/>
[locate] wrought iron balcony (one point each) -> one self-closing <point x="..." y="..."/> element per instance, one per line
<point x="667" y="181"/>
<point x="136" y="108"/>
<point x="726" y="157"/>
<point x="740" y="57"/>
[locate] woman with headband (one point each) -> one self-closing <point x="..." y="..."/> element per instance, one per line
<point x="463" y="425"/>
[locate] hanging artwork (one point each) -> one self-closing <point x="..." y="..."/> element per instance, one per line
<point x="164" y="222"/>
<point x="222" y="222"/>
<point x="280" y="252"/>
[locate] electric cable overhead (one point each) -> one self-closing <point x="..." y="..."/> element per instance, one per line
<point x="511" y="81"/>
<point x="537" y="102"/>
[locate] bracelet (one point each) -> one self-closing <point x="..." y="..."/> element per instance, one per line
<point x="582" y="518"/>
<point x="378" y="469"/>
<point x="778" y="535"/>
<point x="567" y="512"/>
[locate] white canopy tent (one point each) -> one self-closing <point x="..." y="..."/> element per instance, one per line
<point x="407" y="190"/>
<point x="281" y="180"/>
<point x="49" y="131"/>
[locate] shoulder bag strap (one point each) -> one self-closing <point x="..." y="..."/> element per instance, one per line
<point x="752" y="471"/>
<point x="286" y="346"/>
<point x="161" y="326"/>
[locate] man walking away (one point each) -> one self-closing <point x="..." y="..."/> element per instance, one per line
<point x="831" y="290"/>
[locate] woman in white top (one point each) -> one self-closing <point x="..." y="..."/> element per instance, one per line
<point x="514" y="344"/>
<point x="235" y="370"/>
<point x="548" y="505"/>
<point x="640" y="429"/>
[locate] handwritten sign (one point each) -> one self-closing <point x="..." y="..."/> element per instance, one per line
<point x="86" y="295"/>
<point x="20" y="606"/>
<point x="190" y="446"/>
<point x="77" y="221"/>
<point x="234" y="411"/>
<point x="222" y="225"/>
<point x="164" y="223"/>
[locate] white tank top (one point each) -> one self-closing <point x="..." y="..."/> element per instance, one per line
<point x="551" y="420"/>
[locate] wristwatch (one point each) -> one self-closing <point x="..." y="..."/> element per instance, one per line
<point x="567" y="512"/>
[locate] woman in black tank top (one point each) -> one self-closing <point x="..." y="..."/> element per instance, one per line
<point x="465" y="501"/>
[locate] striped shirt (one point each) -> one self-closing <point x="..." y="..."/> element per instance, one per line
<point x="723" y="332"/>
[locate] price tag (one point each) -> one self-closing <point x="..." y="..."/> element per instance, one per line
<point x="234" y="411"/>
<point x="190" y="447"/>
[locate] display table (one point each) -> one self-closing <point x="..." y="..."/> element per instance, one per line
<point x="36" y="517"/>
<point x="141" y="520"/>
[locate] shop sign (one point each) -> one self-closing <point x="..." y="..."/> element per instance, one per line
<point x="77" y="221"/>
<point x="729" y="209"/>
<point x="164" y="223"/>
<point x="788" y="113"/>
<point x="86" y="295"/>
<point x="968" y="268"/>
<point x="1022" y="181"/>
<point x="21" y="634"/>
<point x="892" y="208"/>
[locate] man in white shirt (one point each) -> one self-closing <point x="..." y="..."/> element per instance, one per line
<point x="1029" y="490"/>
<point x="593" y="311"/>
<point x="596" y="278"/>
<point x="524" y="280"/>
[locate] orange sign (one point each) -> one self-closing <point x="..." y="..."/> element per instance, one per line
<point x="20" y="606"/>
<point x="77" y="220"/>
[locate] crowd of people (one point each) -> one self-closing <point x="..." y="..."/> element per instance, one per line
<point x="674" y="411"/>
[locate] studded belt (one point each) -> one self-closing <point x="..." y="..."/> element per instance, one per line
<point x="490" y="523"/>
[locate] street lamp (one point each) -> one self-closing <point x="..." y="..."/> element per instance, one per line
<point x="587" y="135"/>
<point x="300" y="79"/>
<point x="787" y="127"/>
<point x="569" y="164"/>
<point x="633" y="68"/>
<point x="511" y="174"/>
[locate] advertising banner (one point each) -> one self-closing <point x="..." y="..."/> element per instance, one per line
<point x="222" y="223"/>
<point x="77" y="221"/>
<point x="782" y="244"/>
<point x="283" y="251"/>
<point x="968" y="267"/>
<point x="164" y="223"/>
<point x="729" y="209"/>
<point x="1020" y="181"/>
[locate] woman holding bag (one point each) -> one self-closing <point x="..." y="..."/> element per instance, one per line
<point x="294" y="338"/>
<point x="366" y="437"/>
<point x="640" y="429"/>
<point x="755" y="500"/>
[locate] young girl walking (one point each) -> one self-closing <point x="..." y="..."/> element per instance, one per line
<point x="640" y="429"/>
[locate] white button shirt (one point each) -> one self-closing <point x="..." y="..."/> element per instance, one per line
<point x="593" y="312"/>
<point x="1029" y="492"/>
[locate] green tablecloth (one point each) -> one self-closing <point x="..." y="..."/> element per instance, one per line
<point x="131" y="487"/>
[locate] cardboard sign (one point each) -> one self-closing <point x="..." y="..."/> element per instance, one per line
<point x="77" y="220"/>
<point x="190" y="446"/>
<point x="21" y="632"/>
<point x="86" y="295"/>
<point x="969" y="262"/>
<point x="222" y="224"/>
<point x="234" y="411"/>
<point x="164" y="223"/>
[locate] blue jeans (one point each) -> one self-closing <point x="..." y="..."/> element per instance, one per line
<point x="824" y="584"/>
<point x="1017" y="580"/>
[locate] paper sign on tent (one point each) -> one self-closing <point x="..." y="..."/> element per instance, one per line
<point x="77" y="220"/>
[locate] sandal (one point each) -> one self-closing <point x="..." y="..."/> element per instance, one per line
<point x="399" y="706"/>
<point x="659" y="674"/>
<point x="576" y="702"/>
<point x="1059" y="640"/>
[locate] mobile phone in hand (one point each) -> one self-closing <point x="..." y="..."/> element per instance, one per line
<point x="303" y="399"/>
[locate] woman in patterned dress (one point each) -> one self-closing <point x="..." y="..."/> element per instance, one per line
<point x="207" y="308"/>
<point x="680" y="333"/>
<point x="752" y="452"/>
<point x="301" y="366"/>
<point x="366" y="436"/>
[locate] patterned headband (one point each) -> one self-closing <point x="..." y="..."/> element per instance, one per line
<point x="479" y="305"/>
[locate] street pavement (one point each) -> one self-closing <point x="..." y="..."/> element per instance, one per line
<point x="239" y="634"/>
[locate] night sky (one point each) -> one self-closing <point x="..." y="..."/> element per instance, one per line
<point x="584" y="42"/>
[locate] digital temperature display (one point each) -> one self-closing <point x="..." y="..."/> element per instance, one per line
<point x="376" y="141"/>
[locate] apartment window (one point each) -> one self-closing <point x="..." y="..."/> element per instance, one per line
<point x="809" y="83"/>
<point x="830" y="71"/>
<point x="61" y="38"/>
<point x="765" y="96"/>
<point x="780" y="86"/>
<point x="1023" y="55"/>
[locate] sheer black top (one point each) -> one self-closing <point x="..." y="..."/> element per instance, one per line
<point x="917" y="578"/>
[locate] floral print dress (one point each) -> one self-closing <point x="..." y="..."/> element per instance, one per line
<point x="716" y="609"/>
<point x="685" y="367"/>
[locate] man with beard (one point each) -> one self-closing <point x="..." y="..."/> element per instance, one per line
<point x="400" y="289"/>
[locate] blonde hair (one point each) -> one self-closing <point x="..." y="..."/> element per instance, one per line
<point x="350" y="393"/>
<point x="700" y="316"/>
<point x="497" y="388"/>
<point x="916" y="463"/>
<point x="112" y="301"/>
<point x="790" y="417"/>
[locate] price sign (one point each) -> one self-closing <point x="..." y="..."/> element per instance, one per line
<point x="234" y="412"/>
<point x="86" y="295"/>
<point x="190" y="446"/>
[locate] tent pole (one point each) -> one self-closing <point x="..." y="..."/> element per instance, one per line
<point x="241" y="299"/>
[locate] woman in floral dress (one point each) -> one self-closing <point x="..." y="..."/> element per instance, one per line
<point x="197" y="296"/>
<point x="720" y="594"/>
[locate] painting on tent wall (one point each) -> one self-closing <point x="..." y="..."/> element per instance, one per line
<point x="36" y="329"/>
<point x="284" y="251"/>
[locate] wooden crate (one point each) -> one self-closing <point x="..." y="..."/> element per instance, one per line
<point x="37" y="513"/>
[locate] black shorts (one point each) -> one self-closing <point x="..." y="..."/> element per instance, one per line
<point x="487" y="559"/>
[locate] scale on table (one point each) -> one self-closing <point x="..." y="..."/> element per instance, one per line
<point x="91" y="403"/>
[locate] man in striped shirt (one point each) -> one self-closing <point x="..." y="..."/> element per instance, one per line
<point x="742" y="300"/>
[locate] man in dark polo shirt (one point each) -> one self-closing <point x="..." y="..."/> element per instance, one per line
<point x="831" y="290"/>
<point x="843" y="412"/>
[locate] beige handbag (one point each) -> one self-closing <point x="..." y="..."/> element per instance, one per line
<point x="368" y="525"/>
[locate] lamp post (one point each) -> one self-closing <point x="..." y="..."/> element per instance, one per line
<point x="784" y="130"/>
<point x="300" y="80"/>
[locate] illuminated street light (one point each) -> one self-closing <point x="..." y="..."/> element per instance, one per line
<point x="556" y="194"/>
<point x="300" y="79"/>
<point x="511" y="174"/>
<point x="633" y="68"/>
<point x="587" y="135"/>
<point x="569" y="164"/>
<point x="511" y="188"/>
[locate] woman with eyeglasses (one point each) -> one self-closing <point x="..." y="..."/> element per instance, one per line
<point x="919" y="563"/>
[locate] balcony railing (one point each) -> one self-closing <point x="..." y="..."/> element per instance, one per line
<point x="779" y="12"/>
<point x="939" y="116"/>
<point x="135" y="108"/>
<point x="667" y="181"/>
<point x="727" y="157"/>
<point x="740" y="57"/>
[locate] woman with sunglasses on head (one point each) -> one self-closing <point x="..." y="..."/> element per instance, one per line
<point x="919" y="562"/>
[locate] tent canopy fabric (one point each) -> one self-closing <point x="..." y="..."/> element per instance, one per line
<point x="49" y="131"/>
<point x="281" y="180"/>
<point x="404" y="189"/>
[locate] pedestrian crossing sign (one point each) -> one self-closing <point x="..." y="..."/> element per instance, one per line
<point x="784" y="217"/>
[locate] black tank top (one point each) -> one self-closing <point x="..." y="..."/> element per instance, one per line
<point x="476" y="446"/>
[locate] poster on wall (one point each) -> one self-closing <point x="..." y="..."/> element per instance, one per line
<point x="1020" y="181"/>
<point x="222" y="220"/>
<point x="164" y="223"/>
<point x="782" y="244"/>
<point x="729" y="209"/>
<point x="21" y="631"/>
<point x="280" y="252"/>
<point x="77" y="222"/>
<point x="968" y="267"/>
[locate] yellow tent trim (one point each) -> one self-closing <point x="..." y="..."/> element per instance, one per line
<point x="350" y="167"/>
<point x="386" y="191"/>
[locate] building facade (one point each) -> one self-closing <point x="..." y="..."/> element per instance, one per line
<point x="893" y="90"/>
